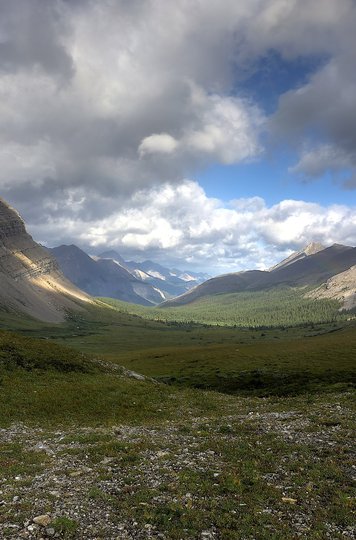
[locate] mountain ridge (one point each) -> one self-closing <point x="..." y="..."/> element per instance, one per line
<point x="31" y="281"/>
<point x="310" y="249"/>
<point x="314" y="269"/>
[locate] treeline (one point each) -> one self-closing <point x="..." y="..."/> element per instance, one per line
<point x="276" y="307"/>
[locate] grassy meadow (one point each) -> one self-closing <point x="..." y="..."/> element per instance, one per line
<point x="248" y="433"/>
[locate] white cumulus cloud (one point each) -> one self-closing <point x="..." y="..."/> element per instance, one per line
<point x="158" y="143"/>
<point x="180" y="224"/>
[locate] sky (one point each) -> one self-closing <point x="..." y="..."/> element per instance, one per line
<point x="209" y="135"/>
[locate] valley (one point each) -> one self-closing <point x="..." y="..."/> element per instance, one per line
<point x="177" y="270"/>
<point x="227" y="416"/>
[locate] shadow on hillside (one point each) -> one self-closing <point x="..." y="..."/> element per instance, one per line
<point x="264" y="383"/>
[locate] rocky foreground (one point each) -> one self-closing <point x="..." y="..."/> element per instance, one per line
<point x="280" y="470"/>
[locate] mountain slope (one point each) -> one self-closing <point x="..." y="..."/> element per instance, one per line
<point x="111" y="254"/>
<point x="104" y="277"/>
<point x="227" y="283"/>
<point x="296" y="271"/>
<point x="31" y="281"/>
<point x="310" y="249"/>
<point x="313" y="269"/>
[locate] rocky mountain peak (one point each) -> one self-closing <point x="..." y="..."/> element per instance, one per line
<point x="11" y="224"/>
<point x="312" y="248"/>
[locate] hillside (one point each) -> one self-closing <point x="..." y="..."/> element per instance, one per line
<point x="311" y="267"/>
<point x="276" y="307"/>
<point x="310" y="249"/>
<point x="31" y="281"/>
<point x="341" y="287"/>
<point x="227" y="283"/>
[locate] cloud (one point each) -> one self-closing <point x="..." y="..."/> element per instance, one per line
<point x="88" y="88"/>
<point x="158" y="143"/>
<point x="299" y="27"/>
<point x="179" y="225"/>
<point x="31" y="35"/>
<point x="226" y="130"/>
<point x="110" y="97"/>
<point x="104" y="103"/>
<point x="316" y="161"/>
<point x="322" y="112"/>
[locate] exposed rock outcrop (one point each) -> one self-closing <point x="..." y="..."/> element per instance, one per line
<point x="340" y="287"/>
<point x="30" y="279"/>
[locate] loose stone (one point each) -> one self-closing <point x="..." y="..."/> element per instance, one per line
<point x="43" y="520"/>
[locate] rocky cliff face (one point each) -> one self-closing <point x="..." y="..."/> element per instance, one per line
<point x="11" y="224"/>
<point x="30" y="280"/>
<point x="20" y="256"/>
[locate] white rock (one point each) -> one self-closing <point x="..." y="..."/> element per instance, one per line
<point x="43" y="520"/>
<point x="207" y="535"/>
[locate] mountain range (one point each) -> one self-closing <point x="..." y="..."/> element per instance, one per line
<point x="49" y="283"/>
<point x="146" y="283"/>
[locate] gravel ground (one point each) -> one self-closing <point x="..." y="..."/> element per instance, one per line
<point x="101" y="483"/>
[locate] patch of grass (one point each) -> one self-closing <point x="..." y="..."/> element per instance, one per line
<point x="85" y="438"/>
<point x="98" y="494"/>
<point x="78" y="398"/>
<point x="65" y="527"/>
<point x="31" y="354"/>
<point x="71" y="389"/>
<point x="288" y="367"/>
<point x="124" y="452"/>
<point x="18" y="461"/>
